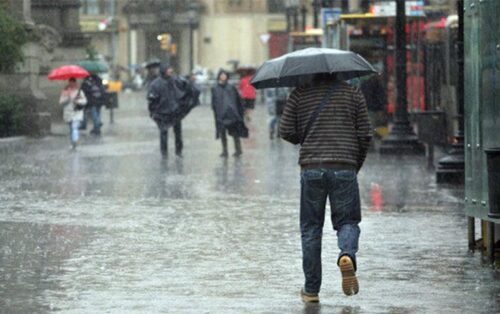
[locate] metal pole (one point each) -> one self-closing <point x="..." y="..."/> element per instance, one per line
<point x="471" y="232"/>
<point x="451" y="168"/>
<point x="402" y="102"/>
<point x="316" y="9"/>
<point x="191" y="46"/>
<point x="491" y="242"/>
<point x="295" y="19"/>
<point x="111" y="116"/>
<point x="402" y="139"/>
<point x="303" y="10"/>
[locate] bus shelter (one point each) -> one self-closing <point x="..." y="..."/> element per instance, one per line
<point x="482" y="122"/>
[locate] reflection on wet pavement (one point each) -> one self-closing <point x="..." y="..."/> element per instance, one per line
<point x="114" y="228"/>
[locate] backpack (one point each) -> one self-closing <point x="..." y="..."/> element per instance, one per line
<point x="94" y="91"/>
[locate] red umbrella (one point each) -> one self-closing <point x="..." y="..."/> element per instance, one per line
<point x="68" y="71"/>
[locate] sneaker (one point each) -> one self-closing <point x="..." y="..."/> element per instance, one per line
<point x="309" y="297"/>
<point x="349" y="281"/>
<point x="237" y="154"/>
<point x="223" y="155"/>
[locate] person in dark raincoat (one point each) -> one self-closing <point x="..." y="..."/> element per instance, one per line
<point x="376" y="101"/>
<point x="229" y="113"/>
<point x="170" y="99"/>
<point x="96" y="95"/>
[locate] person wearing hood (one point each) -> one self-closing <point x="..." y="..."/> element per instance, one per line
<point x="229" y="113"/>
<point x="163" y="104"/>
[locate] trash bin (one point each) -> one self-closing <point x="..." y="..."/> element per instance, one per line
<point x="493" y="166"/>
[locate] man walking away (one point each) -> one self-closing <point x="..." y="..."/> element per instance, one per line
<point x="95" y="93"/>
<point x="163" y="105"/>
<point x="330" y="121"/>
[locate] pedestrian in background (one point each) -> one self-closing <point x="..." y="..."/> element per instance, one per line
<point x="329" y="119"/>
<point x="73" y="101"/>
<point x="376" y="102"/>
<point x="163" y="104"/>
<point x="248" y="94"/>
<point x="96" y="97"/>
<point x="275" y="101"/>
<point x="229" y="114"/>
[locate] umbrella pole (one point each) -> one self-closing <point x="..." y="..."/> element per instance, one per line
<point x="402" y="139"/>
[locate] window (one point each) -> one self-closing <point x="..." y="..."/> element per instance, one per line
<point x="98" y="7"/>
<point x="276" y="6"/>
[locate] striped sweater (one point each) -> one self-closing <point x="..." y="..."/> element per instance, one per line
<point x="341" y="132"/>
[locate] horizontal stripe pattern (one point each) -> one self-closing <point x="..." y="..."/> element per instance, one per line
<point x="341" y="132"/>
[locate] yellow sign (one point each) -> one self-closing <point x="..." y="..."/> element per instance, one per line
<point x="165" y="40"/>
<point x="114" y="86"/>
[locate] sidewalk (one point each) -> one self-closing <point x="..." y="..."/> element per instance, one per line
<point x="115" y="228"/>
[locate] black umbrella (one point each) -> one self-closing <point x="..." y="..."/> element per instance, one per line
<point x="298" y="67"/>
<point x="153" y="63"/>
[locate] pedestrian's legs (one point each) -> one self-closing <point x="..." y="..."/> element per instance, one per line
<point x="346" y="211"/>
<point x="249" y="105"/>
<point x="312" y="216"/>
<point x="74" y="125"/>
<point x="163" y="141"/>
<point x="223" y="138"/>
<point x="96" y="120"/>
<point x="278" y="121"/>
<point x="178" y="138"/>
<point x="70" y="124"/>
<point x="237" y="146"/>
<point x="83" y="123"/>
<point x="272" y="126"/>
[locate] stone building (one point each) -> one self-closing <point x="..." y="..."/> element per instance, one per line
<point x="54" y="39"/>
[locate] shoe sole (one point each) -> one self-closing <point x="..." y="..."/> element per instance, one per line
<point x="350" y="284"/>
<point x="309" y="299"/>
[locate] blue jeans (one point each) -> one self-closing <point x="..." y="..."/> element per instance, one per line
<point x="96" y="119"/>
<point x="73" y="131"/>
<point x="341" y="186"/>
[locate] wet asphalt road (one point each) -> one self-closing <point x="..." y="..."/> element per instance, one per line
<point x="113" y="228"/>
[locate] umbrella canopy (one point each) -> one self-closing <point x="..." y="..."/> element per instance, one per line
<point x="94" y="66"/>
<point x="298" y="67"/>
<point x="68" y="71"/>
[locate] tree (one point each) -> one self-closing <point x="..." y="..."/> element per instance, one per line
<point x="12" y="37"/>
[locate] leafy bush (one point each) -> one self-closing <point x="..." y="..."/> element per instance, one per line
<point x="13" y="36"/>
<point x="10" y="115"/>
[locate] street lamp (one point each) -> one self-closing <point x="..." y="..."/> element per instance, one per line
<point x="192" y="14"/>
<point x="316" y="4"/>
<point x="292" y="8"/>
<point x="451" y="168"/>
<point x="402" y="139"/>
